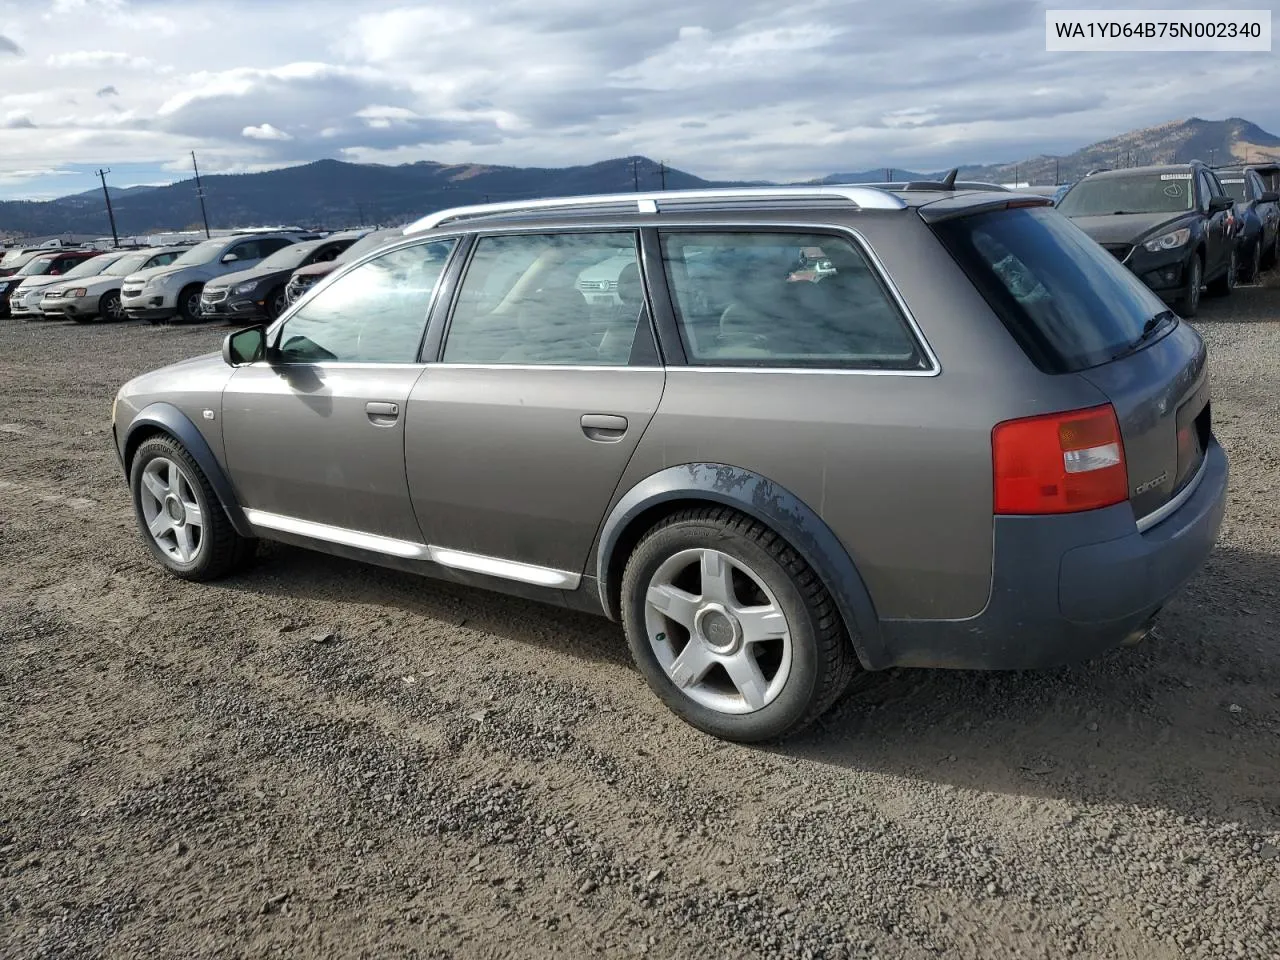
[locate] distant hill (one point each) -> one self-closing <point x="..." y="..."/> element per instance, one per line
<point x="1214" y="141"/>
<point x="331" y="193"/>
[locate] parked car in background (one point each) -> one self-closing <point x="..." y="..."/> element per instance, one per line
<point x="171" y="292"/>
<point x="98" y="297"/>
<point x="1257" y="210"/>
<point x="259" y="292"/>
<point x="17" y="257"/>
<point x="715" y="467"/>
<point x="1170" y="225"/>
<point x="25" y="304"/>
<point x="306" y="277"/>
<point x="48" y="263"/>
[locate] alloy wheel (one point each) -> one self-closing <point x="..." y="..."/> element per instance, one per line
<point x="171" y="511"/>
<point x="114" y="308"/>
<point x="717" y="631"/>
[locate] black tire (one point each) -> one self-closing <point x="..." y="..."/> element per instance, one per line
<point x="1189" y="301"/>
<point x="1251" y="268"/>
<point x="276" y="303"/>
<point x="1223" y="285"/>
<point x="1272" y="253"/>
<point x="109" y="309"/>
<point x="221" y="549"/>
<point x="189" y="303"/>
<point x="822" y="661"/>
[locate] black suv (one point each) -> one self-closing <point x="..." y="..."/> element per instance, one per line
<point x="1258" y="212"/>
<point x="1171" y="225"/>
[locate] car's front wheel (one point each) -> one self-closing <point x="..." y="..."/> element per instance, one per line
<point x="179" y="516"/>
<point x="110" y="307"/>
<point x="1224" y="284"/>
<point x="189" y="303"/>
<point x="733" y="630"/>
<point x="1189" y="300"/>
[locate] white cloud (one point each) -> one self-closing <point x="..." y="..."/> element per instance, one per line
<point x="96" y="59"/>
<point x="264" y="131"/>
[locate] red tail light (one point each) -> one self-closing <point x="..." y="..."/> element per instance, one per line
<point x="1060" y="463"/>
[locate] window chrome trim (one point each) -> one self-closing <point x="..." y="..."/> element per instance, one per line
<point x="1166" y="510"/>
<point x="411" y="550"/>
<point x="621" y="368"/>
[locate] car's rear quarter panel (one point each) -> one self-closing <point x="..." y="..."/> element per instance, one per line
<point x="898" y="466"/>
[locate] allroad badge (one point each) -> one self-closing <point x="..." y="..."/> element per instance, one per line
<point x="1150" y="484"/>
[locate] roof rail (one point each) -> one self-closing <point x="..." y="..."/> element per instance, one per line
<point x="866" y="198"/>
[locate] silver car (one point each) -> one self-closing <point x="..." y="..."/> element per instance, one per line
<point x="975" y="441"/>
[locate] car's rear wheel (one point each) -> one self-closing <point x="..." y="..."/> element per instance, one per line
<point x="110" y="308"/>
<point x="1189" y="301"/>
<point x="180" y="519"/>
<point x="189" y="303"/>
<point x="1223" y="285"/>
<point x="732" y="628"/>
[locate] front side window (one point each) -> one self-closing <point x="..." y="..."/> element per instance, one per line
<point x="1129" y="193"/>
<point x="573" y="298"/>
<point x="249" y="250"/>
<point x="374" y="314"/>
<point x="783" y="300"/>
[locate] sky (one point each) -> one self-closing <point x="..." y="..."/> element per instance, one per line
<point x="737" y="89"/>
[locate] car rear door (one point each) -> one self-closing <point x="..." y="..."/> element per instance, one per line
<point x="518" y="432"/>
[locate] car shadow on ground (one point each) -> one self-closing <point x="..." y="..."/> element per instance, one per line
<point x="1187" y="721"/>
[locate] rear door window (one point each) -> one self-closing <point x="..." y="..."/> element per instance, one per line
<point x="754" y="298"/>
<point x="1067" y="301"/>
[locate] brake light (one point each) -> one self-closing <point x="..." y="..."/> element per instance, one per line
<point x="1060" y="463"/>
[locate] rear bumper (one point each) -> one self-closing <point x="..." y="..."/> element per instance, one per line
<point x="1066" y="588"/>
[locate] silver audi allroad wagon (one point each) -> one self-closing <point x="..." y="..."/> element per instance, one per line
<point x="781" y="434"/>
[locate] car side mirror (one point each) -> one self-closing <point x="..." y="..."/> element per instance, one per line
<point x="231" y="258"/>
<point x="1218" y="204"/>
<point x="245" y="346"/>
<point x="1269" y="196"/>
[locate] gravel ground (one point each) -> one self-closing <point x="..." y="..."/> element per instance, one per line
<point x="317" y="758"/>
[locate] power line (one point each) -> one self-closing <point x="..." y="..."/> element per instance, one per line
<point x="115" y="237"/>
<point x="200" y="193"/>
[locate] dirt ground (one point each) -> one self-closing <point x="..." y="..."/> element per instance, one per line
<point x="320" y="759"/>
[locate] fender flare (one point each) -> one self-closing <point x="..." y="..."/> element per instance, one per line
<point x="168" y="419"/>
<point x="769" y="503"/>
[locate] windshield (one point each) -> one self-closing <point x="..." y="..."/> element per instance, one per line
<point x="200" y="253"/>
<point x="287" y="258"/>
<point x="1069" y="303"/>
<point x="1139" y="193"/>
<point x="1235" y="188"/>
<point x="127" y="265"/>
<point x="91" y="267"/>
<point x="36" y="267"/>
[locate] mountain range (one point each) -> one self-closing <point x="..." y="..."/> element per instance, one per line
<point x="333" y="193"/>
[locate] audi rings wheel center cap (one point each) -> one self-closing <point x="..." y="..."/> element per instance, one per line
<point x="719" y="629"/>
<point x="176" y="512"/>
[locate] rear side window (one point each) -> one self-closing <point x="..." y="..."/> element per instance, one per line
<point x="748" y="298"/>
<point x="1069" y="303"/>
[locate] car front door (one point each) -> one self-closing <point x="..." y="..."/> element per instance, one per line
<point x="517" y="437"/>
<point x="315" y="434"/>
<point x="1218" y="244"/>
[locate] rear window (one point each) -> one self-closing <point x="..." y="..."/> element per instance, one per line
<point x="1069" y="303"/>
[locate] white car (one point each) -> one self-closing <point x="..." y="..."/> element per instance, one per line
<point x="24" y="299"/>
<point x="163" y="293"/>
<point x="83" y="299"/>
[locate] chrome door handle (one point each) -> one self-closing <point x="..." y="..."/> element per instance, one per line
<point x="603" y="427"/>
<point x="382" y="413"/>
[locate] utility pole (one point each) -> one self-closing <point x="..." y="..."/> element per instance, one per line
<point x="1056" y="179"/>
<point x="115" y="237"/>
<point x="662" y="173"/>
<point x="635" y="173"/>
<point x="200" y="193"/>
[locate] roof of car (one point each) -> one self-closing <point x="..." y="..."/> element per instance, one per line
<point x="1155" y="168"/>
<point x="840" y="200"/>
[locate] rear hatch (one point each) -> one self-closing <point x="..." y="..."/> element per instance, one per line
<point x="1076" y="311"/>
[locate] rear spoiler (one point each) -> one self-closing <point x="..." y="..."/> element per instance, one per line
<point x="967" y="206"/>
